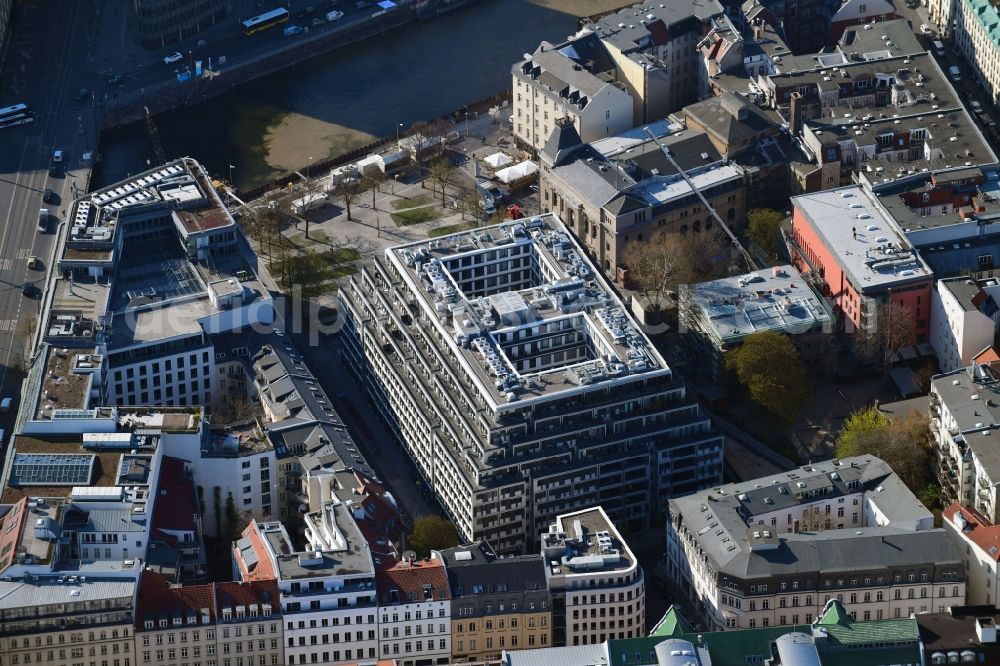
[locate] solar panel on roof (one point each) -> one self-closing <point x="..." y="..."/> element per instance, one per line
<point x="52" y="469"/>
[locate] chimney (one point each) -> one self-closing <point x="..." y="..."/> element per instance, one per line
<point x="795" y="114"/>
<point x="758" y="30"/>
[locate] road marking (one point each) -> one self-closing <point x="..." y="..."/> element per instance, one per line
<point x="24" y="253"/>
<point x="7" y="325"/>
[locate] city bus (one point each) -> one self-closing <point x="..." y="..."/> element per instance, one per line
<point x="264" y="21"/>
<point x="18" y="114"/>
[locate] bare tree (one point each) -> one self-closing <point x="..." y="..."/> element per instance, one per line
<point x="372" y="180"/>
<point x="889" y="330"/>
<point x="469" y="204"/>
<point x="659" y="265"/>
<point x="347" y="189"/>
<point x="234" y="408"/>
<point x="440" y="172"/>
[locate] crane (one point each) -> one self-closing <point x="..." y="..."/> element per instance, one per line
<point x="718" y="218"/>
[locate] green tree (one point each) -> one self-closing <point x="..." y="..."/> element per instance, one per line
<point x="431" y="533"/>
<point x="902" y="442"/>
<point x="768" y="365"/>
<point x="764" y="229"/>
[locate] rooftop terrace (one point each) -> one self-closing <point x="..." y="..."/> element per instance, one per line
<point x="524" y="312"/>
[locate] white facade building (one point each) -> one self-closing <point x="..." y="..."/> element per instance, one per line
<point x="964" y="316"/>
<point x="328" y="596"/>
<point x="515" y="380"/>
<point x="551" y="84"/>
<point x="978" y="540"/>
<point x="774" y="551"/>
<point x="592" y="569"/>
<point x="415" y="613"/>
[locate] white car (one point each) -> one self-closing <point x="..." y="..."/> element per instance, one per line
<point x="57" y="156"/>
<point x="925" y="29"/>
<point x="334" y="16"/>
<point x="172" y="58"/>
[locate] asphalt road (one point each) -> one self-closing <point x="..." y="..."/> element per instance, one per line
<point x="144" y="71"/>
<point x="40" y="71"/>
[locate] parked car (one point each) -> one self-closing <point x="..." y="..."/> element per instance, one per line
<point x="925" y="29"/>
<point x="334" y="16"/>
<point x="28" y="290"/>
<point x="33" y="263"/>
<point x="116" y="80"/>
<point x="172" y="58"/>
<point x="57" y="156"/>
<point x="292" y="30"/>
<point x="48" y="196"/>
<point x="5" y="405"/>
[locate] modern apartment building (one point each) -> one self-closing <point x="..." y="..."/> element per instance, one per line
<point x="512" y="376"/>
<point x="159" y="23"/>
<point x="775" y="551"/>
<point x="597" y="586"/>
<point x="414" y="600"/>
<point x="964" y="421"/>
<point x="844" y="242"/>
<point x="964" y="317"/>
<point x="497" y="603"/>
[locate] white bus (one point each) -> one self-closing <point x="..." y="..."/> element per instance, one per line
<point x="18" y="114"/>
<point x="264" y="21"/>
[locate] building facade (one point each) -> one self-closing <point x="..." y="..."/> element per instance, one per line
<point x="497" y="603"/>
<point x="597" y="586"/>
<point x="844" y="242"/>
<point x="415" y="613"/>
<point x="978" y="541"/>
<point x="976" y="39"/>
<point x="514" y="403"/>
<point x="963" y="320"/>
<point x="775" y="551"/>
<point x="159" y="23"/>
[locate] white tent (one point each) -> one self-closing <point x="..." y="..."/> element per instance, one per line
<point x="521" y="171"/>
<point x="498" y="161"/>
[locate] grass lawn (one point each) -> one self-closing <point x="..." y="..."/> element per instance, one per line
<point x="415" y="216"/>
<point x="412" y="202"/>
<point x="319" y="236"/>
<point x="451" y="229"/>
<point x="341" y="262"/>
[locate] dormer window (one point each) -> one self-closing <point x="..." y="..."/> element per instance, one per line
<point x="163" y="623"/>
<point x="148" y="624"/>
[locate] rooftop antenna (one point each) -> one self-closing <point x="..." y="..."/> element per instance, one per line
<point x="732" y="237"/>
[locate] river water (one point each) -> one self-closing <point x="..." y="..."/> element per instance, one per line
<point x="342" y="100"/>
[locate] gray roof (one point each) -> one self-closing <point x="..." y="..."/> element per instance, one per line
<point x="966" y="291"/>
<point x="48" y="591"/>
<point x="731" y="118"/>
<point x="476" y="575"/>
<point x="561" y="75"/>
<point x="675" y="17"/>
<point x="859" y="40"/>
<point x="974" y="404"/>
<point x="571" y="655"/>
<point x="723" y="521"/>
<point x="117" y="519"/>
<point x="778" y="299"/>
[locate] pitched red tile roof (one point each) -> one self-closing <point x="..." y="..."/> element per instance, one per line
<point x="263" y="569"/>
<point x="978" y="529"/>
<point x="988" y="356"/>
<point x="156" y="599"/>
<point x="411" y="582"/>
<point x="232" y="594"/>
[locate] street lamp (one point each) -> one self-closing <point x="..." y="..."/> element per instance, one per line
<point x="398" y="125"/>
